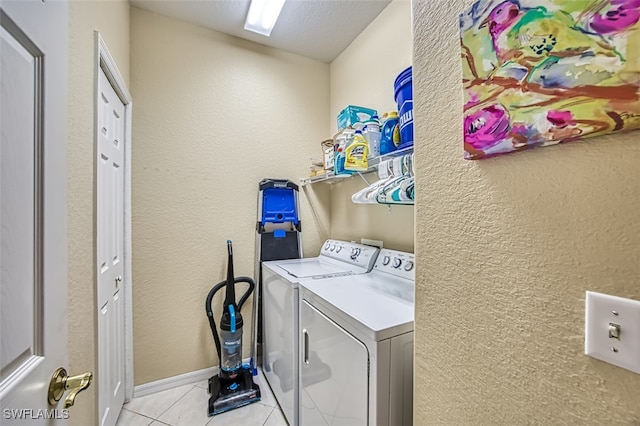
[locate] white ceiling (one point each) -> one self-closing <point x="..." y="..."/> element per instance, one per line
<point x="317" y="29"/>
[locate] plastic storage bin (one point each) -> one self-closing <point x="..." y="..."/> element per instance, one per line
<point x="404" y="99"/>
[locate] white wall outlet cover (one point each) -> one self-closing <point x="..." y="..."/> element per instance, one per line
<point x="612" y="330"/>
<point x="375" y="243"/>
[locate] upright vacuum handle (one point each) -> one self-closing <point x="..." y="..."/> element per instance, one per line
<point x="230" y="298"/>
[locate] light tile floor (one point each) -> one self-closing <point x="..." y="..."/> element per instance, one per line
<point x="187" y="406"/>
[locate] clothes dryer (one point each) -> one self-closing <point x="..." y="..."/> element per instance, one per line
<point x="356" y="346"/>
<point x="280" y="311"/>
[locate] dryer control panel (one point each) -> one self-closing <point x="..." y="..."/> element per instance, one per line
<point x="352" y="253"/>
<point x="398" y="263"/>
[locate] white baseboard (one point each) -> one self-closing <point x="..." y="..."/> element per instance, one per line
<point x="175" y="381"/>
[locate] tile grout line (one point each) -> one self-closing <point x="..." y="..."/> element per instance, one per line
<point x="269" y="416"/>
<point x="174" y="403"/>
<point x="136" y="414"/>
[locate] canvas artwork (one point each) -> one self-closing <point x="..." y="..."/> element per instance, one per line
<point x="542" y="72"/>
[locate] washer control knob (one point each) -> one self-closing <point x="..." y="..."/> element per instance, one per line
<point x="355" y="252"/>
<point x="333" y="247"/>
<point x="326" y="246"/>
<point x="408" y="266"/>
<point x="338" y="249"/>
<point x="397" y="262"/>
<point x="386" y="260"/>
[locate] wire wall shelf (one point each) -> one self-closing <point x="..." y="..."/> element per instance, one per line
<point x="330" y="177"/>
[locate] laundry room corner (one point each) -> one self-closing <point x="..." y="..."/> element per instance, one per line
<point x="390" y="35"/>
<point x="207" y="129"/>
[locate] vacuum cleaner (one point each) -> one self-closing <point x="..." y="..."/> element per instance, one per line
<point x="233" y="387"/>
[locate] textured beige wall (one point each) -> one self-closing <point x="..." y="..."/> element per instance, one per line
<point x="506" y="248"/>
<point x="111" y="19"/>
<point x="213" y="116"/>
<point x="364" y="75"/>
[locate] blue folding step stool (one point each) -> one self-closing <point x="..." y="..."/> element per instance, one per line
<point x="278" y="234"/>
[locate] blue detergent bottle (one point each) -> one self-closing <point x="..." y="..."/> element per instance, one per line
<point x="387" y="142"/>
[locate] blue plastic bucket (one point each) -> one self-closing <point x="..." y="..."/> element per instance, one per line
<point x="404" y="98"/>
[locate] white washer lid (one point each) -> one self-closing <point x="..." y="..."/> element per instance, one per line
<point x="315" y="268"/>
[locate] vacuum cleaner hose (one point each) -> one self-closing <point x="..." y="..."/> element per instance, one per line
<point x="209" y="311"/>
<point x="245" y="296"/>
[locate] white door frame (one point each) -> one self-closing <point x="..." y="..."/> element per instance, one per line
<point x="105" y="61"/>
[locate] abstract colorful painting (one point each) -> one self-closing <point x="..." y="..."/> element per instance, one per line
<point x="542" y="72"/>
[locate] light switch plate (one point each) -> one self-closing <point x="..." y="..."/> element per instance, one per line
<point x="607" y="317"/>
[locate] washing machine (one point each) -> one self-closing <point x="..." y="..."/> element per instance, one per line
<point x="356" y="346"/>
<point x="280" y="311"/>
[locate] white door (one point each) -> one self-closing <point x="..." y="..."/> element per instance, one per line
<point x="334" y="373"/>
<point x="33" y="235"/>
<point x="110" y="244"/>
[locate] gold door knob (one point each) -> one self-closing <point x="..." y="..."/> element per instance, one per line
<point x="61" y="382"/>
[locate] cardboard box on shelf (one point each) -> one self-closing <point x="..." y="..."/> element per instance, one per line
<point x="327" y="154"/>
<point x="354" y="114"/>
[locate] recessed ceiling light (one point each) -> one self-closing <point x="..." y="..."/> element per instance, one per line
<point x="263" y="15"/>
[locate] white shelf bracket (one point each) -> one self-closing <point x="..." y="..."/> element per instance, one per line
<point x="364" y="179"/>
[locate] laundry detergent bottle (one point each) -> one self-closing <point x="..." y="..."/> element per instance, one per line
<point x="390" y="134"/>
<point x="355" y="157"/>
<point x="371" y="133"/>
<point x="338" y="167"/>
